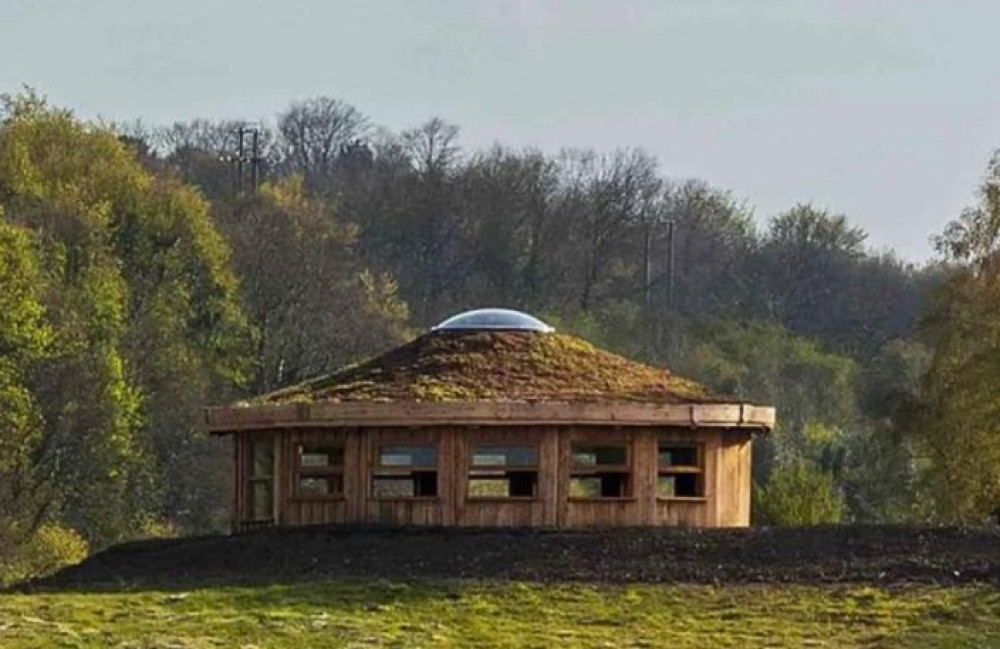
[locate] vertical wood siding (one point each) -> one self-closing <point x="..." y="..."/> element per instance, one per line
<point x="539" y="511"/>
<point x="735" y="475"/>
<point x="726" y="461"/>
<point x="294" y="510"/>
<point x="407" y="511"/>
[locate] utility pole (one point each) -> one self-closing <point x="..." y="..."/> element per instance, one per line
<point x="670" y="264"/>
<point x="255" y="159"/>
<point x="241" y="158"/>
<point x="646" y="262"/>
<point x="239" y="162"/>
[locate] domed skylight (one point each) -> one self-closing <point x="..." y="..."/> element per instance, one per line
<point x="493" y="319"/>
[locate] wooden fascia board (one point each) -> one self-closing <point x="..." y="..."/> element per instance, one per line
<point x="227" y="419"/>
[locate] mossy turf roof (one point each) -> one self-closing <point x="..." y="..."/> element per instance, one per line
<point x="497" y="366"/>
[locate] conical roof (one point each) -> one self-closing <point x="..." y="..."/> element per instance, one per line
<point x="503" y="366"/>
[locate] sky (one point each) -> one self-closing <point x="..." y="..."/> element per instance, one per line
<point x="884" y="111"/>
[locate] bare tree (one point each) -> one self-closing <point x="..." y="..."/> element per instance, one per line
<point x="313" y="133"/>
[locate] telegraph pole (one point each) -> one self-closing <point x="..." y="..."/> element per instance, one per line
<point x="646" y="263"/>
<point x="255" y="159"/>
<point x="670" y="264"/>
<point x="239" y="162"/>
<point x="241" y="158"/>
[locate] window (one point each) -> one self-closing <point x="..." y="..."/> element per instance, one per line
<point x="260" y="478"/>
<point x="600" y="472"/>
<point x="503" y="472"/>
<point x="681" y="472"/>
<point x="319" y="471"/>
<point x="405" y="472"/>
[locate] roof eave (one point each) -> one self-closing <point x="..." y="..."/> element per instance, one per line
<point x="229" y="419"/>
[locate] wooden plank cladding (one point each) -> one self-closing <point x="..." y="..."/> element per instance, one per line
<point x="555" y="476"/>
<point x="226" y="419"/>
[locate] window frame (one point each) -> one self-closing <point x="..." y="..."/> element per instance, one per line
<point x="502" y="471"/>
<point x="379" y="470"/>
<point x="330" y="471"/>
<point x="697" y="469"/>
<point x="252" y="478"/>
<point x="582" y="471"/>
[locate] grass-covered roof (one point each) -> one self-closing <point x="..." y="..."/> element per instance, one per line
<point x="497" y="366"/>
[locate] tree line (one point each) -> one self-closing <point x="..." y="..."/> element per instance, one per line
<point x="146" y="274"/>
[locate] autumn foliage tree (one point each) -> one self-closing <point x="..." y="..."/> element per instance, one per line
<point x="143" y="312"/>
<point x="957" y="418"/>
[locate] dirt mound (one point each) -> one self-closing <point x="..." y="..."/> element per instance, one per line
<point x="857" y="554"/>
<point x="497" y="366"/>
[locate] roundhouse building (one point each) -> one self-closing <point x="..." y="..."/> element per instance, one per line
<point x="493" y="419"/>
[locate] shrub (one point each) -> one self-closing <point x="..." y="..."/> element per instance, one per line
<point x="50" y="548"/>
<point x="798" y="494"/>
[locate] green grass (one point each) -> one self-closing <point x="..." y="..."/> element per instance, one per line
<point x="383" y="614"/>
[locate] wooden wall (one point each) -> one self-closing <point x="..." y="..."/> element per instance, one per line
<point x="725" y="501"/>
<point x="415" y="510"/>
<point x="706" y="511"/>
<point x="539" y="511"/>
<point x="293" y="510"/>
<point x="735" y="481"/>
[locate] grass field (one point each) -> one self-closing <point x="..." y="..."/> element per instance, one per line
<point x="481" y="614"/>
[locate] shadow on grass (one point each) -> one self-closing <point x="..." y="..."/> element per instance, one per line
<point x="854" y="554"/>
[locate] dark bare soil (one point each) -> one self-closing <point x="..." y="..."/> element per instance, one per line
<point x="884" y="555"/>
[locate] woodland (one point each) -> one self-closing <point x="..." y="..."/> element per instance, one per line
<point x="146" y="271"/>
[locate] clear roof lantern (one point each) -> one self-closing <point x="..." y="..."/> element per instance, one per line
<point x="493" y="319"/>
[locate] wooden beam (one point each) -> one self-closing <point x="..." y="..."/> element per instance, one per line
<point x="228" y="419"/>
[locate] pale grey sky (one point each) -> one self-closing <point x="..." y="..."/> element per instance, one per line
<point x="886" y="111"/>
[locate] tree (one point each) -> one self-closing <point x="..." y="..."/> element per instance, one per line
<point x="187" y="342"/>
<point x="715" y="240"/>
<point x="315" y="307"/>
<point x="505" y="199"/>
<point x="313" y="134"/>
<point x="146" y="327"/>
<point x="89" y="406"/>
<point x="25" y="340"/>
<point x="604" y="201"/>
<point x="956" y="423"/>
<point x="807" y="254"/>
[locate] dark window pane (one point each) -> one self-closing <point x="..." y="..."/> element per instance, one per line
<point x="600" y="455"/>
<point x="425" y="483"/>
<point x="408" y="456"/>
<point x="504" y="456"/>
<point x="328" y="485"/>
<point x="679" y="485"/>
<point x="262" y="456"/>
<point x="678" y="456"/>
<point x="523" y="484"/>
<point x="319" y="456"/>
<point x="614" y="485"/>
